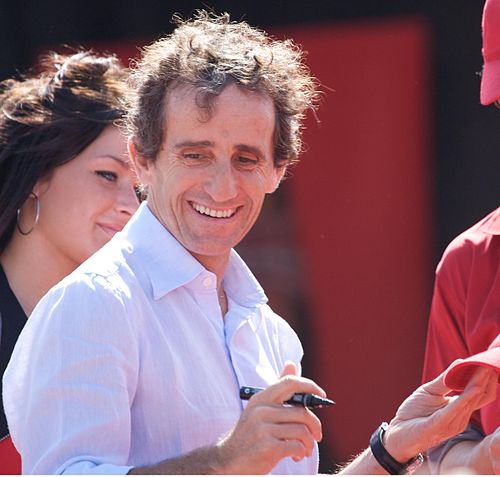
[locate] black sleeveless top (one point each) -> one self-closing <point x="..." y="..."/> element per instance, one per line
<point x="12" y="320"/>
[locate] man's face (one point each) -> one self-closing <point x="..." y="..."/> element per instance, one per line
<point x="211" y="175"/>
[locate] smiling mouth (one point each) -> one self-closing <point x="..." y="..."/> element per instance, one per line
<point x="110" y="229"/>
<point x="216" y="214"/>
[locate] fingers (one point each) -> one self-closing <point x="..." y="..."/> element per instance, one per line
<point x="436" y="386"/>
<point x="288" y="440"/>
<point x="288" y="415"/>
<point x="268" y="431"/>
<point x="428" y="417"/>
<point x="299" y="441"/>
<point x="284" y="389"/>
<point x="275" y="448"/>
<point x="454" y="417"/>
<point x="481" y="389"/>
<point x="267" y="405"/>
<point x="290" y="368"/>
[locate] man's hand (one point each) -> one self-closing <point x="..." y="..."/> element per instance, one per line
<point x="268" y="431"/>
<point x="429" y="417"/>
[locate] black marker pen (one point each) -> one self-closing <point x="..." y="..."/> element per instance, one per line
<point x="300" y="399"/>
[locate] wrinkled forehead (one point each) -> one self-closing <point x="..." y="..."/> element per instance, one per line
<point x="205" y="98"/>
<point x="234" y="115"/>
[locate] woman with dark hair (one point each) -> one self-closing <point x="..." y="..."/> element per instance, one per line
<point x="66" y="185"/>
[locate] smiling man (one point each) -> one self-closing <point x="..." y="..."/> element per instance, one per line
<point x="134" y="362"/>
<point x="151" y="340"/>
<point x="212" y="172"/>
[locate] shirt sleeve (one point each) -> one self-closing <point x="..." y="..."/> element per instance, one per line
<point x="447" y="334"/>
<point x="71" y="381"/>
<point x="446" y="340"/>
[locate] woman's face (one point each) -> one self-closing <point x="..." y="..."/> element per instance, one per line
<point x="87" y="200"/>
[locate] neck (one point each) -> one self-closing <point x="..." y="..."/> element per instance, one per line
<point x="215" y="264"/>
<point x="218" y="266"/>
<point x="32" y="269"/>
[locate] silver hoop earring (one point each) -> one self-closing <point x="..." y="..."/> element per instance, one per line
<point x="37" y="215"/>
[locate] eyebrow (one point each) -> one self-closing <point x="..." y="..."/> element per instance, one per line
<point x="182" y="144"/>
<point x="126" y="163"/>
<point x="241" y="147"/>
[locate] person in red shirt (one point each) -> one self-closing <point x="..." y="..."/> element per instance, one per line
<point x="465" y="311"/>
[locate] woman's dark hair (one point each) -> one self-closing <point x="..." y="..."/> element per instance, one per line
<point x="48" y="118"/>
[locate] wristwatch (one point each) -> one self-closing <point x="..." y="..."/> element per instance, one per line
<point x="389" y="463"/>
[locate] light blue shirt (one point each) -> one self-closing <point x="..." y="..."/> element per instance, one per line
<point x="128" y="361"/>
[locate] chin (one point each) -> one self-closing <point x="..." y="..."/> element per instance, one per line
<point x="98" y="244"/>
<point x="210" y="250"/>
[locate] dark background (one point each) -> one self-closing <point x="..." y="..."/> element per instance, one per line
<point x="465" y="136"/>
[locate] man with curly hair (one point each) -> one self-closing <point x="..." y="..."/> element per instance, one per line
<point x="134" y="362"/>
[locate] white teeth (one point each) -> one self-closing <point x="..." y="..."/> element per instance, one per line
<point x="212" y="212"/>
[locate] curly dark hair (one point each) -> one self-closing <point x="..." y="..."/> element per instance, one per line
<point x="48" y="118"/>
<point x="208" y="52"/>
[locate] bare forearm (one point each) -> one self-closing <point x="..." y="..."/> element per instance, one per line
<point x="365" y="464"/>
<point x="203" y="461"/>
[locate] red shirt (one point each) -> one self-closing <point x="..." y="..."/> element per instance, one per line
<point x="10" y="460"/>
<point x="465" y="312"/>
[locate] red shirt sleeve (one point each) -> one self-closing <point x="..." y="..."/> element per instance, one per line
<point x="447" y="331"/>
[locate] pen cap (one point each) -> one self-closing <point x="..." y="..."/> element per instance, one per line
<point x="246" y="392"/>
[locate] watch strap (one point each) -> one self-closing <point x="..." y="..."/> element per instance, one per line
<point x="389" y="463"/>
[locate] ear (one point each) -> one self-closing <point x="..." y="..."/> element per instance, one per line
<point x="276" y="177"/>
<point x="142" y="165"/>
<point x="41" y="186"/>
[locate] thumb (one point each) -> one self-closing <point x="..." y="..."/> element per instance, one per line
<point x="436" y="387"/>
<point x="290" y="368"/>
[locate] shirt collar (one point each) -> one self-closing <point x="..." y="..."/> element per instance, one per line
<point x="493" y="226"/>
<point x="240" y="283"/>
<point x="169" y="265"/>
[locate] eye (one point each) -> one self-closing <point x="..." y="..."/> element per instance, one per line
<point x="247" y="162"/>
<point x="193" y="156"/>
<point x="108" y="175"/>
<point x="196" y="158"/>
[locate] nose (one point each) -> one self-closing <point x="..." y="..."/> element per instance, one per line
<point x="222" y="184"/>
<point x="127" y="201"/>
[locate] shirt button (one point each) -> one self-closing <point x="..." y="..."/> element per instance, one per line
<point x="207" y="281"/>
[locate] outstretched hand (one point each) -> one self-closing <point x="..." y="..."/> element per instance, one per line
<point x="429" y="417"/>
<point x="267" y="431"/>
